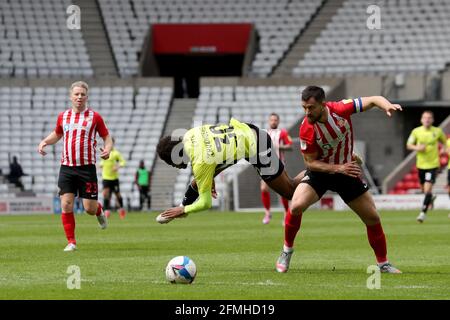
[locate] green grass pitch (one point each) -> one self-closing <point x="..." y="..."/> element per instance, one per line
<point x="235" y="256"/>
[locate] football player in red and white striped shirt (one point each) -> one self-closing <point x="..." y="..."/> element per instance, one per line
<point x="78" y="126"/>
<point x="326" y="141"/>
<point x="281" y="141"/>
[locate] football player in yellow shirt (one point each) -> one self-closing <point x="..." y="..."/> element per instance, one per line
<point x="425" y="140"/>
<point x="448" y="169"/>
<point x="211" y="149"/>
<point x="110" y="175"/>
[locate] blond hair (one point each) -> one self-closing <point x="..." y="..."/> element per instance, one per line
<point x="80" y="84"/>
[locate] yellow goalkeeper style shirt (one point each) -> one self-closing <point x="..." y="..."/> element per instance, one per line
<point x="108" y="173"/>
<point x="448" y="151"/>
<point x="214" y="147"/>
<point x="428" y="159"/>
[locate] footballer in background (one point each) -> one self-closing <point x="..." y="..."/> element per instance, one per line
<point x="110" y="174"/>
<point x="281" y="141"/>
<point x="425" y="141"/>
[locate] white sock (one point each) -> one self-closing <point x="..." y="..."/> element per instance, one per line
<point x="287" y="249"/>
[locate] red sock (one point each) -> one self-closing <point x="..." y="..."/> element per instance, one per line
<point x="377" y="241"/>
<point x="99" y="209"/>
<point x="68" y="221"/>
<point x="285" y="203"/>
<point x="265" y="197"/>
<point x="291" y="226"/>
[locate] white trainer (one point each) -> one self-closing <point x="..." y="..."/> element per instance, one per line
<point x="102" y="221"/>
<point x="70" y="247"/>
<point x="421" y="217"/>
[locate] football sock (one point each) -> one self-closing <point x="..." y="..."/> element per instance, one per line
<point x="377" y="241"/>
<point x="291" y="227"/>
<point x="120" y="201"/>
<point x="190" y="196"/>
<point x="99" y="209"/>
<point x="265" y="198"/>
<point x="68" y="221"/>
<point x="426" y="201"/>
<point x="106" y="204"/>
<point x="285" y="203"/>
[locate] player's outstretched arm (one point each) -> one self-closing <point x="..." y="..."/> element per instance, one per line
<point x="52" y="138"/>
<point x="380" y="102"/>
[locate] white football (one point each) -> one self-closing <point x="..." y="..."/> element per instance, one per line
<point x="181" y="269"/>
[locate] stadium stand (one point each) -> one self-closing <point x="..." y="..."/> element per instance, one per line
<point x="35" y="41"/>
<point x="248" y="104"/>
<point x="410" y="40"/>
<point x="278" y="23"/>
<point x="135" y="119"/>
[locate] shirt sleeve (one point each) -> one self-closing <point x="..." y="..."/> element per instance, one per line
<point x="204" y="176"/>
<point x="412" y="139"/>
<point x="101" y="126"/>
<point x="307" y="139"/>
<point x="442" y="137"/>
<point x="59" y="129"/>
<point x="347" y="106"/>
<point x="122" y="161"/>
<point x="285" y="138"/>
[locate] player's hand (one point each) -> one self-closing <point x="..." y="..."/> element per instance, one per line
<point x="41" y="147"/>
<point x="104" y="153"/>
<point x="351" y="169"/>
<point x="393" y="107"/>
<point x="175" y="212"/>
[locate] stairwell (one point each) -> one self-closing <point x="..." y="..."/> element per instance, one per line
<point x="164" y="176"/>
<point x="96" y="39"/>
<point x="307" y="38"/>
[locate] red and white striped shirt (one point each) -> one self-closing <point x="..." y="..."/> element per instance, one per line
<point x="334" y="138"/>
<point x="79" y="130"/>
<point x="279" y="136"/>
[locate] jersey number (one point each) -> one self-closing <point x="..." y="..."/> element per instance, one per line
<point x="226" y="133"/>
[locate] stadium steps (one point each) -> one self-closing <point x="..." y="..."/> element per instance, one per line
<point x="164" y="176"/>
<point x="96" y="39"/>
<point x="307" y="38"/>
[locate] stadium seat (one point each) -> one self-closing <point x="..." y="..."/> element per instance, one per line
<point x="278" y="23"/>
<point x="348" y="46"/>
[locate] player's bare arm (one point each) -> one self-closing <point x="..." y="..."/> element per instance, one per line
<point x="106" y="150"/>
<point x="416" y="147"/>
<point x="351" y="169"/>
<point x="380" y="102"/>
<point x="51" y="139"/>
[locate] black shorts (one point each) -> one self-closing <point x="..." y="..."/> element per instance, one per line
<point x="113" y="185"/>
<point x="81" y="181"/>
<point x="266" y="160"/>
<point x="427" y="175"/>
<point x="347" y="187"/>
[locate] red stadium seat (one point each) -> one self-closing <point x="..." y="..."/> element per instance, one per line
<point x="400" y="185"/>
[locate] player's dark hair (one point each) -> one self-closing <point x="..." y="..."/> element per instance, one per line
<point x="275" y="115"/>
<point x="313" y="92"/>
<point x="165" y="147"/>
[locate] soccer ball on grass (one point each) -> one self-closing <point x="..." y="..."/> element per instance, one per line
<point x="181" y="269"/>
